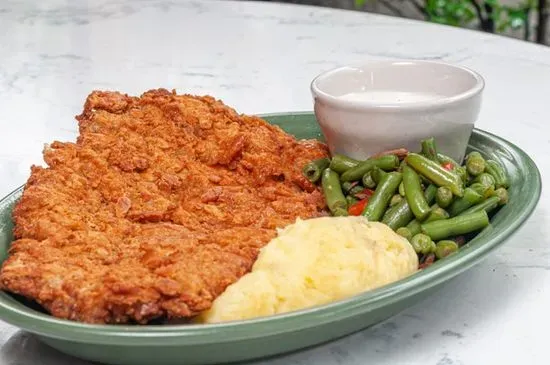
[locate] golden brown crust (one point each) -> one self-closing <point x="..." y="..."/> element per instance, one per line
<point x="162" y="202"/>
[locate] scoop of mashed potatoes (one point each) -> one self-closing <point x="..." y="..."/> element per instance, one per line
<point x="314" y="262"/>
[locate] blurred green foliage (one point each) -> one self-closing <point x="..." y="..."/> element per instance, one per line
<point x="458" y="13"/>
<point x="487" y="15"/>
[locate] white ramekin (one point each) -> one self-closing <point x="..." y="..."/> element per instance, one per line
<point x="360" y="128"/>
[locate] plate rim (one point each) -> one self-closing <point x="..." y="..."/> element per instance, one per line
<point x="190" y="334"/>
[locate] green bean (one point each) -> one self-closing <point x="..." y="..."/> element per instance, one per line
<point x="429" y="150"/>
<point x="430" y="193"/>
<point x="346" y="186"/>
<point x="387" y="162"/>
<point x="313" y="170"/>
<point x="401" y="214"/>
<point x="351" y="200"/>
<point x="462" y="173"/>
<point x="456" y="168"/>
<point x="496" y="170"/>
<point x="404" y="232"/>
<point x="444" y="196"/>
<point x="422" y="244"/>
<point x="424" y="180"/>
<point x="463" y="224"/>
<point x="401" y="189"/>
<point x="502" y="194"/>
<point x="377" y="174"/>
<point x="389" y="212"/>
<point x="401" y="153"/>
<point x="355" y="190"/>
<point x="382" y="195"/>
<point x="483" y="190"/>
<point x="396" y="199"/>
<point x="470" y="198"/>
<point x="445" y="248"/>
<point x="487" y="205"/>
<point x="341" y="163"/>
<point x="398" y="215"/>
<point x="435" y="173"/>
<point x="332" y="190"/>
<point x="368" y="181"/>
<point x="414" y="227"/>
<point x="475" y="163"/>
<point x="445" y="159"/>
<point x="437" y="213"/>
<point x="485" y="179"/>
<point x="473" y="154"/>
<point x="413" y="193"/>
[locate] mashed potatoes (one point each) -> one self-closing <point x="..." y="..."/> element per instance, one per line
<point x="314" y="262"/>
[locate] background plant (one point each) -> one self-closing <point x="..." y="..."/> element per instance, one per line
<point x="487" y="15"/>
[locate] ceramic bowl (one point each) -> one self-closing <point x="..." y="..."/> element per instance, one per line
<point x="379" y="105"/>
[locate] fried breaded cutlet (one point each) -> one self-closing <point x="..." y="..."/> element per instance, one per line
<point x="163" y="201"/>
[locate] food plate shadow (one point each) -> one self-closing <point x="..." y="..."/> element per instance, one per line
<point x="296" y="356"/>
<point x="25" y="348"/>
<point x="461" y="309"/>
<point x="446" y="317"/>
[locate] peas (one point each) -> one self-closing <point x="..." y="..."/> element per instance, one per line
<point x="368" y="180"/>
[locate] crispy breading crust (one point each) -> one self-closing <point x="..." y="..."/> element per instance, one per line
<point x="163" y="201"/>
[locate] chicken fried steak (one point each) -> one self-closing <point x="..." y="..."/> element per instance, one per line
<point x="163" y="201"/>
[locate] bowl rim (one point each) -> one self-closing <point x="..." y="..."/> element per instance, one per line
<point x="439" y="103"/>
<point x="19" y="315"/>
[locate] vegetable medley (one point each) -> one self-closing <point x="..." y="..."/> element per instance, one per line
<point x="427" y="197"/>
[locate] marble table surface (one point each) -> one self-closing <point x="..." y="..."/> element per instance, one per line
<point x="261" y="57"/>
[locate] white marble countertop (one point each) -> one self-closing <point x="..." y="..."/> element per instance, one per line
<point x="260" y="58"/>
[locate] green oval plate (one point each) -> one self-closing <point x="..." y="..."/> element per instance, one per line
<point x="238" y="341"/>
